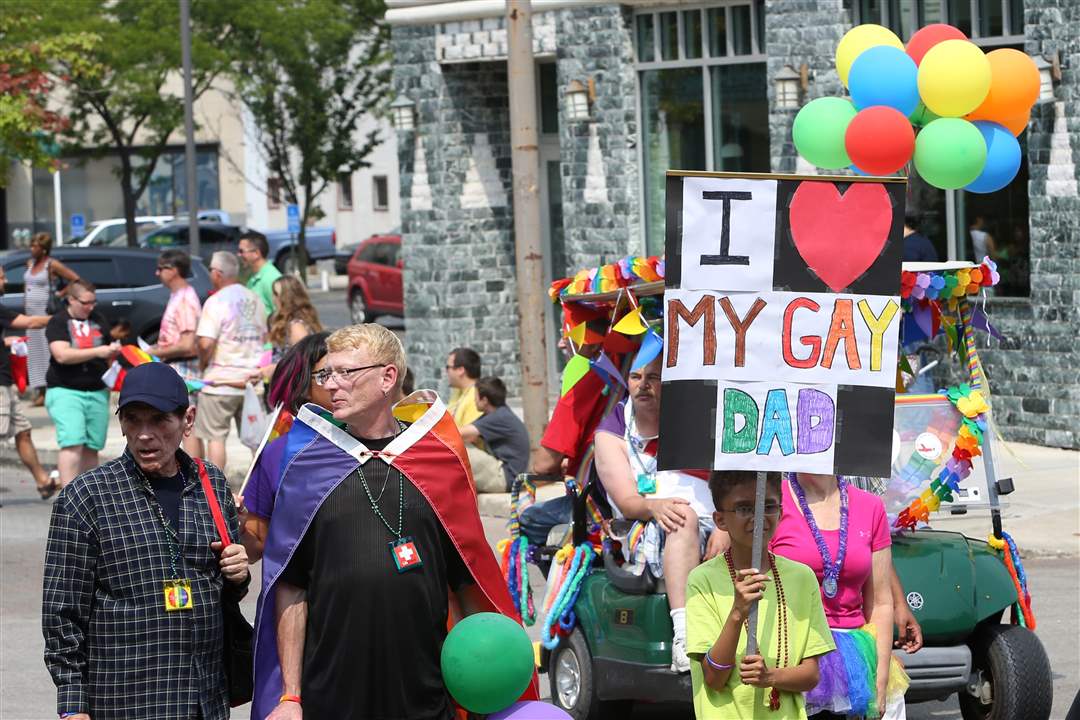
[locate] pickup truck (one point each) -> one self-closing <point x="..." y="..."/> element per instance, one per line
<point x="320" y="242"/>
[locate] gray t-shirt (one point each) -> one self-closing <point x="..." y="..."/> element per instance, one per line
<point x="507" y="439"/>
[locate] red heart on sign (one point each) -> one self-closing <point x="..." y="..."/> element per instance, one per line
<point x="840" y="236"/>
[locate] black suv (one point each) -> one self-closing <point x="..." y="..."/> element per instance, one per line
<point x="127" y="286"/>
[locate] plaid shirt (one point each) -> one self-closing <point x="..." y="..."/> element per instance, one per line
<point x="112" y="649"/>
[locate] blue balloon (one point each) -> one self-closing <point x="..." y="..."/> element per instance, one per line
<point x="1002" y="158"/>
<point x="884" y="75"/>
<point x="855" y="169"/>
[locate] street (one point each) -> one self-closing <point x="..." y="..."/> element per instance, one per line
<point x="26" y="692"/>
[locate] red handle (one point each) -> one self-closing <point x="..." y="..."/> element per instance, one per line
<point x="211" y="499"/>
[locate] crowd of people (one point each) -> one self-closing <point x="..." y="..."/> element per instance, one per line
<point x="137" y="571"/>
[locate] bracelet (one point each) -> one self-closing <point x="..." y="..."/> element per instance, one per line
<point x="290" y="698"/>
<point x="715" y="665"/>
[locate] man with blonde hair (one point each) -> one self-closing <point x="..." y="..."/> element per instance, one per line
<point x="375" y="525"/>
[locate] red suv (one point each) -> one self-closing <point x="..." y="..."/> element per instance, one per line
<point x="375" y="279"/>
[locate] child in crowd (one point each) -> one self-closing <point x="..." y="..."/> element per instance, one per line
<point x="121" y="332"/>
<point x="791" y="627"/>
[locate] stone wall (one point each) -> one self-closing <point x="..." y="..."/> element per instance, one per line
<point x="797" y="32"/>
<point x="457" y="221"/>
<point x="601" y="212"/>
<point x="1035" y="373"/>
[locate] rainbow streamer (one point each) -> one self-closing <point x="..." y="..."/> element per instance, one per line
<point x="1022" y="612"/>
<point x="975" y="373"/>
<point x="609" y="278"/>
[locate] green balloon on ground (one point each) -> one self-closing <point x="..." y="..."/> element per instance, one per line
<point x="949" y="153"/>
<point x="487" y="662"/>
<point x="818" y="132"/>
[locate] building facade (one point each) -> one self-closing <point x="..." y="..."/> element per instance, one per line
<point x="231" y="176"/>
<point x="693" y="86"/>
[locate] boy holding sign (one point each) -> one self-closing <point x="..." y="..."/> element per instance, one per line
<point x="792" y="630"/>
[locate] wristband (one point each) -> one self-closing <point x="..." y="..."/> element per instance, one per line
<point x="290" y="698"/>
<point x="715" y="665"/>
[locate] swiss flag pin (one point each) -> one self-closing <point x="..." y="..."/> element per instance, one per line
<point x="406" y="556"/>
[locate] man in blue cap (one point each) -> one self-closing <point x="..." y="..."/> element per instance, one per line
<point x="135" y="573"/>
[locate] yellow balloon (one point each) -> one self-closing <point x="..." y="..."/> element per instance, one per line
<point x="954" y="78"/>
<point x="859" y="38"/>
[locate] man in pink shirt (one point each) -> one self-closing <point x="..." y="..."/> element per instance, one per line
<point x="176" y="339"/>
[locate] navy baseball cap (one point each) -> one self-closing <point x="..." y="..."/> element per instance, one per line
<point x="157" y="385"/>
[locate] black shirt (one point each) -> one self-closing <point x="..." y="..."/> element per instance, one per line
<point x="6" y="316"/>
<point x="918" y="248"/>
<point x="167" y="491"/>
<point x="374" y="635"/>
<point x="93" y="333"/>
<point x="508" y="440"/>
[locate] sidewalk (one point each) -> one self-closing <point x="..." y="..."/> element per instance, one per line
<point x="1042" y="515"/>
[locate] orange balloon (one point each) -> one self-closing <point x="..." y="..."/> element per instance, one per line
<point x="1016" y="124"/>
<point x="1014" y="87"/>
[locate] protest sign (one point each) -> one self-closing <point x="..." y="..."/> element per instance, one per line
<point x="781" y="314"/>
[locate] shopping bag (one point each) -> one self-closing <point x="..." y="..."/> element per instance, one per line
<point x="253" y="420"/>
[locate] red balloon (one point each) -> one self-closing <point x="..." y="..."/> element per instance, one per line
<point x="929" y="36"/>
<point x="879" y="140"/>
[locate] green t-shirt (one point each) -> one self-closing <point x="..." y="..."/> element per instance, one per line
<point x="709" y="597"/>
<point x="262" y="284"/>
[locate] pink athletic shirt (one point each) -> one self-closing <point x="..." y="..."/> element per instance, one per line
<point x="868" y="532"/>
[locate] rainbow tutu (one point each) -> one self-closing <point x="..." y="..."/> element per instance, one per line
<point x="848" y="676"/>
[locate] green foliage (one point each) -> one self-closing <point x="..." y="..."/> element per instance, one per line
<point x="124" y="93"/>
<point x="309" y="71"/>
<point x="28" y="127"/>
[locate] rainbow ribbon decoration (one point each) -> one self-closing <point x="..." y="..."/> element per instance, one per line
<point x="629" y="271"/>
<point x="948" y="285"/>
<point x="569" y="583"/>
<point x="1022" y="612"/>
<point x="973" y="406"/>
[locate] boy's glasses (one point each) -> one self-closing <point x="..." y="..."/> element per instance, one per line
<point x="745" y="511"/>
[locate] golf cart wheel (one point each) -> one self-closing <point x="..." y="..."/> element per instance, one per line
<point x="1011" y="676"/>
<point x="573" y="685"/>
<point x="358" y="311"/>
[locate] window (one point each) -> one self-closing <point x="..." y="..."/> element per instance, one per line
<point x="15" y="275"/>
<point x="986" y="22"/>
<point x="273" y="193"/>
<point x="549" y="98"/>
<point x="703" y="90"/>
<point x="381" y="193"/>
<point x="166" y="193"/>
<point x="99" y="271"/>
<point x="344" y="191"/>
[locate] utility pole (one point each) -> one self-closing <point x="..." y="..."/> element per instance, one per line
<point x="525" y="160"/>
<point x="58" y="211"/>
<point x="190" y="169"/>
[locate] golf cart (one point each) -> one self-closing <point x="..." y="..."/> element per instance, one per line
<point x="614" y="648"/>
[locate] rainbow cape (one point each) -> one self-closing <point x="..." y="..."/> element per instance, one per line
<point x="318" y="457"/>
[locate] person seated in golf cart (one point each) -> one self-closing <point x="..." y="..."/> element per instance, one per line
<point x="673" y="510"/>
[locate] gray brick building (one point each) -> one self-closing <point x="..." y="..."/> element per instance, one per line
<point x="694" y="86"/>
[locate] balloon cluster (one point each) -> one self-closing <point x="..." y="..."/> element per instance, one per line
<point x="967" y="105"/>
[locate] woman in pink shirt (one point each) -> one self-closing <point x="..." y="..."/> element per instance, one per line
<point x="842" y="534"/>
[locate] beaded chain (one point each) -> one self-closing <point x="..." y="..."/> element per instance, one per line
<point x="782" y="638"/>
<point x="830" y="570"/>
<point x="401" y="497"/>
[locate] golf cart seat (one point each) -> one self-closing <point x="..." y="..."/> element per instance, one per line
<point x="631" y="583"/>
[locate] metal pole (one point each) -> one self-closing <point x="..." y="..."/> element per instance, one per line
<point x="755" y="555"/>
<point x="57" y="209"/>
<point x="528" y="253"/>
<point x="190" y="170"/>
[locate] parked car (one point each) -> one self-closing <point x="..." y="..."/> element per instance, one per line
<point x="375" y="279"/>
<point x="113" y="232"/>
<point x="221" y="236"/>
<point x="127" y="286"/>
<point x="345" y="253"/>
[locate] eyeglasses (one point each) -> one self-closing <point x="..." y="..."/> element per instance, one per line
<point x="323" y="376"/>
<point x="745" y="511"/>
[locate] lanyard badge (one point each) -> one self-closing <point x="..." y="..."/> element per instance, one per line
<point x="178" y="595"/>
<point x="406" y="557"/>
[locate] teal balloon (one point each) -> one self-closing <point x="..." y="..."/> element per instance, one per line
<point x="949" y="153"/>
<point x="487" y="662"/>
<point x="818" y="132"/>
<point x="1002" y="158"/>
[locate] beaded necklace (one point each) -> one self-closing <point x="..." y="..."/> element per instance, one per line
<point x="782" y="641"/>
<point x="830" y="570"/>
<point x="402" y="548"/>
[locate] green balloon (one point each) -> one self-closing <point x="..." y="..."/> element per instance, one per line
<point x="922" y="116"/>
<point x="487" y="662"/>
<point x="819" y="130"/>
<point x="949" y="153"/>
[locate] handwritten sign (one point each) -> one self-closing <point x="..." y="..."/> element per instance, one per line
<point x="781" y="322"/>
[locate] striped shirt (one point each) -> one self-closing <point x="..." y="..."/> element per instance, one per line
<point x="112" y="649"/>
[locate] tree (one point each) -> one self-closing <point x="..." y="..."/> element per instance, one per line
<point x="28" y="128"/>
<point x="132" y="101"/>
<point x="309" y="71"/>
